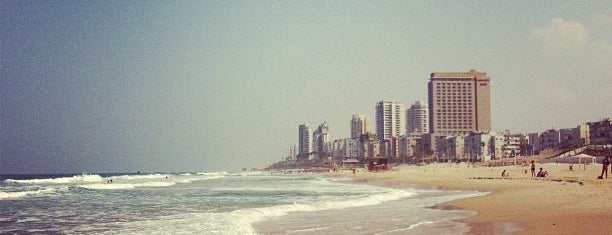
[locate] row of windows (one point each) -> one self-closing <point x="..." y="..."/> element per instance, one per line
<point x="438" y="102"/>
<point x="454" y="118"/>
<point x="456" y="96"/>
<point x="452" y="108"/>
<point x="455" y="126"/>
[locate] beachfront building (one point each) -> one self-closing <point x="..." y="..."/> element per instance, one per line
<point x="351" y="148"/>
<point x="477" y="147"/>
<point x="390" y="124"/>
<point x="549" y="139"/>
<point x="456" y="147"/>
<point x="600" y="132"/>
<point x="406" y="147"/>
<point x="459" y="102"/>
<point x="427" y="147"/>
<point x="497" y="145"/>
<point x="320" y="137"/>
<point x="450" y="148"/>
<point x="571" y="138"/>
<point x="304" y="142"/>
<point x="514" y="145"/>
<point x="336" y="149"/>
<point x="533" y="141"/>
<point x="417" y="118"/>
<point x="369" y="147"/>
<point x="359" y="126"/>
<point x="389" y="120"/>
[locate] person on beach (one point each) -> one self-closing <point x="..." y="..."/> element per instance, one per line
<point x="542" y="173"/>
<point x="533" y="168"/>
<point x="604" y="169"/>
<point x="504" y="174"/>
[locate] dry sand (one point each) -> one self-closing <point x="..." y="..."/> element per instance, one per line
<point x="566" y="202"/>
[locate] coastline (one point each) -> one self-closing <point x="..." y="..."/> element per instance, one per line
<point x="565" y="202"/>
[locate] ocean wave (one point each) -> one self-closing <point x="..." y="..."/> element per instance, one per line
<point x="250" y="216"/>
<point x="60" y="180"/>
<point x="116" y="186"/>
<point x="212" y="173"/>
<point x="139" y="177"/>
<point x="21" y="194"/>
<point x="196" y="178"/>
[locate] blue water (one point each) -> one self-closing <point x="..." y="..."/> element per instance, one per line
<point x="218" y="203"/>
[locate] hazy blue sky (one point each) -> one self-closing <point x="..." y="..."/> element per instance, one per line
<point x="116" y="86"/>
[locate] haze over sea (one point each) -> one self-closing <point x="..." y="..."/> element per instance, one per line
<point x="219" y="203"/>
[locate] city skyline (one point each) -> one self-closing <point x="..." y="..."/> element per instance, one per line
<point x="208" y="86"/>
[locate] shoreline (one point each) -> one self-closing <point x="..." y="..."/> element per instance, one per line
<point x="565" y="202"/>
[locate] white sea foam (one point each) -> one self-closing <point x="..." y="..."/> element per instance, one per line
<point x="403" y="230"/>
<point x="20" y="194"/>
<point x="115" y="186"/>
<point x="213" y="173"/>
<point x="139" y="177"/>
<point x="249" y="216"/>
<point x="61" y="180"/>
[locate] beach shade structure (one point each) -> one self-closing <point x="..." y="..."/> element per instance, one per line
<point x="582" y="159"/>
<point x="350" y="162"/>
<point x="378" y="163"/>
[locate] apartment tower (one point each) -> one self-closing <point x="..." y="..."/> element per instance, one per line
<point x="359" y="126"/>
<point x="320" y="138"/>
<point x="389" y="120"/>
<point x="305" y="141"/>
<point x="459" y="102"/>
<point x="417" y="118"/>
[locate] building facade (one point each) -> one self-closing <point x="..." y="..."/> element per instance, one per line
<point x="600" y="132"/>
<point x="549" y="139"/>
<point x="571" y="138"/>
<point x="304" y="142"/>
<point x="389" y="120"/>
<point x="459" y="102"/>
<point x="417" y="118"/>
<point x="320" y="138"/>
<point x="359" y="126"/>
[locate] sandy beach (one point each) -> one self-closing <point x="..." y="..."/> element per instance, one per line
<point x="565" y="202"/>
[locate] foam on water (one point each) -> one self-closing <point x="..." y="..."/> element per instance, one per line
<point x="241" y="221"/>
<point x="20" y="194"/>
<point x="127" y="186"/>
<point x="60" y="180"/>
<point x="212" y="203"/>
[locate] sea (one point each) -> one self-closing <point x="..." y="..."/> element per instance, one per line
<point x="220" y="203"/>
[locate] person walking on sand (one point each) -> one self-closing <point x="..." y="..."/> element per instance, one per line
<point x="533" y="174"/>
<point x="604" y="165"/>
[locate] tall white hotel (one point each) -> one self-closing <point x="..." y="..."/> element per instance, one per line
<point x="417" y="118"/>
<point x="305" y="141"/>
<point x="390" y="120"/>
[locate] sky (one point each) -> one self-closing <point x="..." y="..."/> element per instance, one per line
<point x="173" y="86"/>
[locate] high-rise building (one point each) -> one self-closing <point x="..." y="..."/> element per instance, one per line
<point x="417" y="118"/>
<point x="305" y="142"/>
<point x="359" y="126"/>
<point x="320" y="137"/>
<point x="459" y="102"/>
<point x="389" y="120"/>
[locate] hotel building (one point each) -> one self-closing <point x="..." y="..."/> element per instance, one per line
<point x="459" y="102"/>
